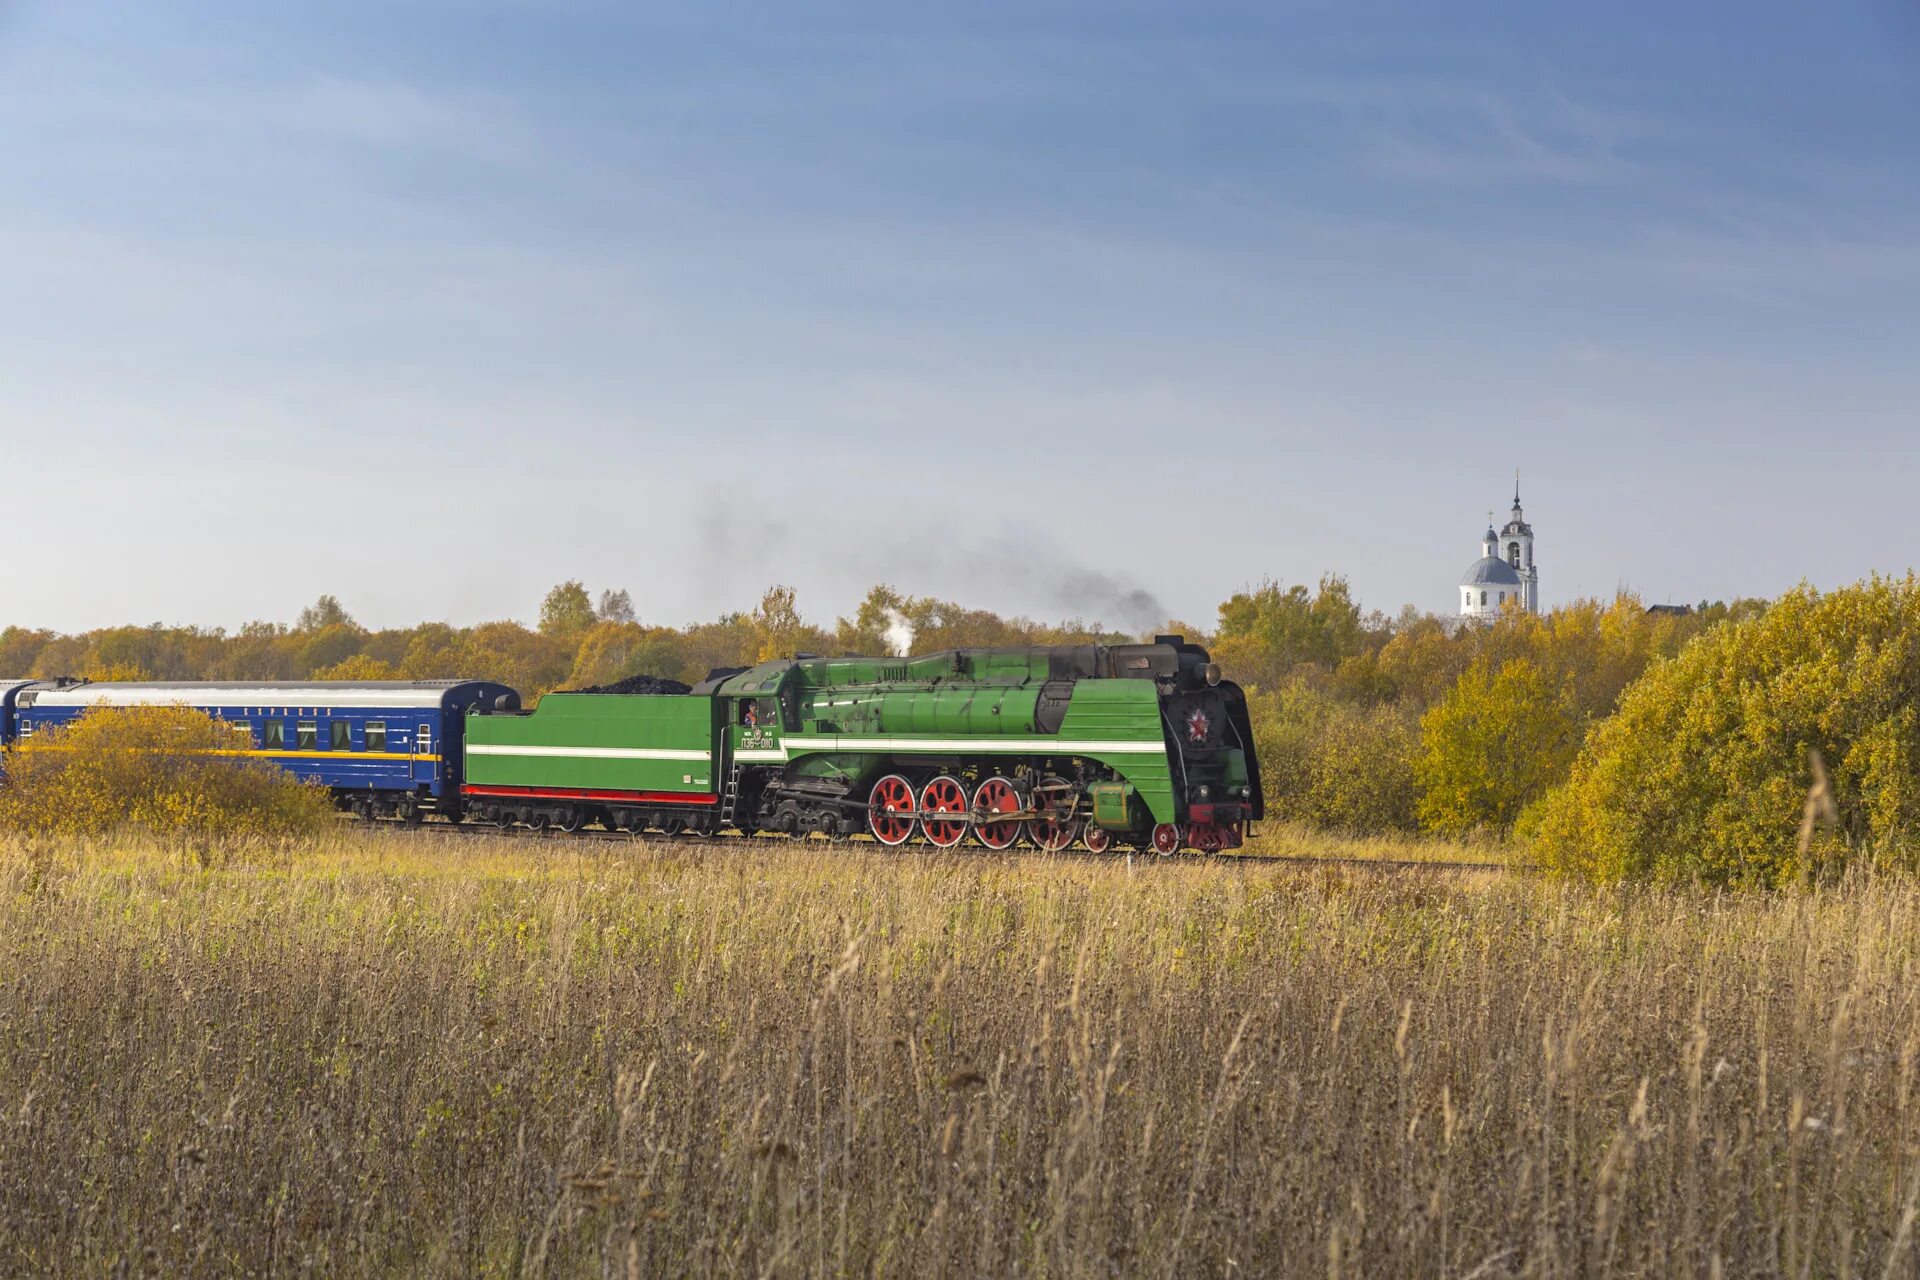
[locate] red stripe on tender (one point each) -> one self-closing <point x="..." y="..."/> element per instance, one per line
<point x="570" y="793"/>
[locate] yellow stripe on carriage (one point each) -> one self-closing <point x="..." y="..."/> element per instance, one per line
<point x="342" y="754"/>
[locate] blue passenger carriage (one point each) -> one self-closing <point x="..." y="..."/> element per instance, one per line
<point x="10" y="691"/>
<point x="386" y="748"/>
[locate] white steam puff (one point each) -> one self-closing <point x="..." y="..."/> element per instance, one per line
<point x="899" y="632"/>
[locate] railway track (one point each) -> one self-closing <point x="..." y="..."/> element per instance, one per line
<point x="487" y="832"/>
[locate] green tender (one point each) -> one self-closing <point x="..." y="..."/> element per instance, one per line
<point x="597" y="742"/>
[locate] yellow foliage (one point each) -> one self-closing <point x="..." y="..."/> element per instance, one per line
<point x="1334" y="765"/>
<point x="1705" y="771"/>
<point x="358" y="667"/>
<point x="102" y="671"/>
<point x="1492" y="746"/>
<point x="167" y="770"/>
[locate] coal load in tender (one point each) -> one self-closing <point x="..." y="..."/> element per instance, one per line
<point x="640" y="684"/>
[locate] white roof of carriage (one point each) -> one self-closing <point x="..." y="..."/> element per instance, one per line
<point x="262" y="693"/>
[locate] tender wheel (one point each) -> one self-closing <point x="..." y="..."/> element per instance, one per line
<point x="568" y="820"/>
<point x="672" y="826"/>
<point x="1097" y="839"/>
<point x="1166" y="839"/>
<point x="890" y="814"/>
<point x="538" y="820"/>
<point x="995" y="795"/>
<point x="943" y="795"/>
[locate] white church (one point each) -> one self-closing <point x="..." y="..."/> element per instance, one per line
<point x="1505" y="575"/>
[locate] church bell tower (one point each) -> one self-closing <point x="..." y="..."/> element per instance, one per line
<point x="1516" y="548"/>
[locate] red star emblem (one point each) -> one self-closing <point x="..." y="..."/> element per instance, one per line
<point x="1197" y="726"/>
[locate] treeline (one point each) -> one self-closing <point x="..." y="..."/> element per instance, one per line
<point x="1366" y="724"/>
<point x="578" y="641"/>
<point x="1616" y="742"/>
<point x="1370" y="725"/>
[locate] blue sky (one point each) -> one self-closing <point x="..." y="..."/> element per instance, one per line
<point x="1034" y="305"/>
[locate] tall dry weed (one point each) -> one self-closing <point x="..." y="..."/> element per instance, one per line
<point x="388" y="1055"/>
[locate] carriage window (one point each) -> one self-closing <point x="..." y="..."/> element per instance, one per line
<point x="341" y="735"/>
<point x="376" y="735"/>
<point x="423" y="741"/>
<point x="26" y="728"/>
<point x="307" y="736"/>
<point x="243" y="731"/>
<point x="274" y="735"/>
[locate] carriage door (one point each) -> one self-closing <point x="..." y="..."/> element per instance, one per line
<point x="423" y="744"/>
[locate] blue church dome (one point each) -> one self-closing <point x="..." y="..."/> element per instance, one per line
<point x="1490" y="571"/>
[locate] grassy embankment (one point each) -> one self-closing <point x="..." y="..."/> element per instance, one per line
<point x="369" y="1054"/>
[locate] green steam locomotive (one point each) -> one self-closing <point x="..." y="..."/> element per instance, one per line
<point x="1139" y="746"/>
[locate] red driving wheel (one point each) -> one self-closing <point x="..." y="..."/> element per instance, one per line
<point x="1055" y="828"/>
<point x="995" y="795"/>
<point x="890" y="810"/>
<point x="1097" y="839"/>
<point x="943" y="795"/>
<point x="1166" y="839"/>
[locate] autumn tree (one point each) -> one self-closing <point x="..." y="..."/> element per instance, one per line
<point x="615" y="650"/>
<point x="1332" y="764"/>
<point x="358" y="667"/>
<point x="20" y="648"/>
<point x="867" y="631"/>
<point x="1492" y="746"/>
<point x="780" y="630"/>
<point x="324" y="612"/>
<point x="1704" y="772"/>
<point x="616" y="606"/>
<point x="1269" y="631"/>
<point x="567" y="610"/>
<point x="330" y="646"/>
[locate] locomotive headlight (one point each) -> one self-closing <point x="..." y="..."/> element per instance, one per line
<point x="1212" y="673"/>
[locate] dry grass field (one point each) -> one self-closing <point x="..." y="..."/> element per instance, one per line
<point x="1307" y="844"/>
<point x="369" y="1054"/>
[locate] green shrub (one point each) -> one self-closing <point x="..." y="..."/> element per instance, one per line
<point x="1704" y="772"/>
<point x="1492" y="746"/>
<point x="1332" y="764"/>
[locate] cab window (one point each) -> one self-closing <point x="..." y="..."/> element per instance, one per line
<point x="306" y="736"/>
<point x="376" y="735"/>
<point x="340" y="735"/>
